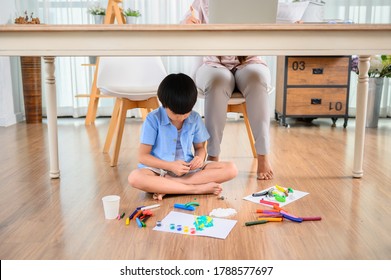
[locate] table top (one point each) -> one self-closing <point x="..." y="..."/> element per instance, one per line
<point x="207" y="39"/>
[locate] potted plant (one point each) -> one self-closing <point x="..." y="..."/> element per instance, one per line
<point x="98" y="13"/>
<point x="131" y="15"/>
<point x="380" y="68"/>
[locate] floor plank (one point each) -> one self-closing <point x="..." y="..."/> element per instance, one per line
<point x="42" y="218"/>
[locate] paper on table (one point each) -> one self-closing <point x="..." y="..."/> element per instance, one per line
<point x="220" y="229"/>
<point x="292" y="197"/>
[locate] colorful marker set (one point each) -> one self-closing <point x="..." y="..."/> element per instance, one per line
<point x="141" y="214"/>
<point x="277" y="214"/>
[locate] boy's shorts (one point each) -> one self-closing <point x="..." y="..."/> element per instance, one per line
<point x="163" y="172"/>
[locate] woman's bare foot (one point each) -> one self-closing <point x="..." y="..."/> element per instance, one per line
<point x="158" y="196"/>
<point x="264" y="171"/>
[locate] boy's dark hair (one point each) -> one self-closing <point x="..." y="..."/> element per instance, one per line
<point x="178" y="93"/>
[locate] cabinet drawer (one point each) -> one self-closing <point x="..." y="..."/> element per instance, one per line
<point x="317" y="70"/>
<point x="316" y="101"/>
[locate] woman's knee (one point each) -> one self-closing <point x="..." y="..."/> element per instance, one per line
<point x="254" y="75"/>
<point x="212" y="78"/>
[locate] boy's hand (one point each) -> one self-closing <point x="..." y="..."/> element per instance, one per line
<point x="196" y="163"/>
<point x="180" y="167"/>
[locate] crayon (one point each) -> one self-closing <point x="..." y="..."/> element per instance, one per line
<point x="290" y="217"/>
<point x="267" y="211"/>
<point x="149" y="207"/>
<point x="252" y="223"/>
<point x="269" y="203"/>
<point x="277" y="207"/>
<point x="269" y="216"/>
<point x="140" y="225"/>
<point x="135" y="212"/>
<point x="270" y="219"/>
<point x="285" y="212"/>
<point x="311" y="218"/>
<point x="139" y="212"/>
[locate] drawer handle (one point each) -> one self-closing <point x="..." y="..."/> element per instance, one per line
<point x="316" y="101"/>
<point x="317" y="71"/>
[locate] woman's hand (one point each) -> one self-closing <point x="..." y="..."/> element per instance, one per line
<point x="192" y="18"/>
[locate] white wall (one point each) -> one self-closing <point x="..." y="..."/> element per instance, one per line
<point x="10" y="105"/>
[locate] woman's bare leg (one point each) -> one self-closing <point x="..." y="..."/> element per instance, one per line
<point x="264" y="170"/>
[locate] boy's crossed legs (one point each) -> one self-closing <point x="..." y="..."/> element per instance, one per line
<point x="206" y="181"/>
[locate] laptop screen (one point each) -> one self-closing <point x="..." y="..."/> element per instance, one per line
<point x="242" y="11"/>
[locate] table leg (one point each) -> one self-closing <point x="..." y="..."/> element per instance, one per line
<point x="51" y="107"/>
<point x="362" y="99"/>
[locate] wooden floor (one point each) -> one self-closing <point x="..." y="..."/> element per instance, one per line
<point x="42" y="218"/>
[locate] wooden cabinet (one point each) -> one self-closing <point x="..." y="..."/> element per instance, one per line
<point x="312" y="87"/>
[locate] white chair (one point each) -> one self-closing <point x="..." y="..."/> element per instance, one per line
<point x="134" y="82"/>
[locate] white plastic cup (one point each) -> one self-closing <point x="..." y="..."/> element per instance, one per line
<point x="111" y="206"/>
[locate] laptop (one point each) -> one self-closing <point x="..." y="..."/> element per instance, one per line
<point x="242" y="11"/>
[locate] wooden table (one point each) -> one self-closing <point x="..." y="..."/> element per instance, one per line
<point x="50" y="41"/>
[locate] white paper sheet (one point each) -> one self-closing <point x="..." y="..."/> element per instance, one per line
<point x="220" y="229"/>
<point x="290" y="198"/>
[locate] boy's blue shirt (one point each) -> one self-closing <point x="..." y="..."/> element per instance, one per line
<point x="161" y="134"/>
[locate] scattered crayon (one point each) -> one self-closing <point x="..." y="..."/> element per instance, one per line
<point x="139" y="224"/>
<point x="311" y="218"/>
<point x="270" y="219"/>
<point x="262" y="201"/>
<point x="252" y="223"/>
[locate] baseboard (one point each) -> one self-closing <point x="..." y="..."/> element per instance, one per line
<point x="8" y="120"/>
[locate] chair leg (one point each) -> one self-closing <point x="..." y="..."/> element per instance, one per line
<point x="118" y="119"/>
<point x="119" y="132"/>
<point x="148" y="106"/>
<point x="112" y="126"/>
<point x="248" y="128"/>
<point x="153" y="103"/>
<point x="144" y="113"/>
<point x="94" y="98"/>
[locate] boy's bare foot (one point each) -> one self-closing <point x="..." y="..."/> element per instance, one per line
<point x="264" y="171"/>
<point x="208" y="188"/>
<point x="211" y="158"/>
<point x="158" y="196"/>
